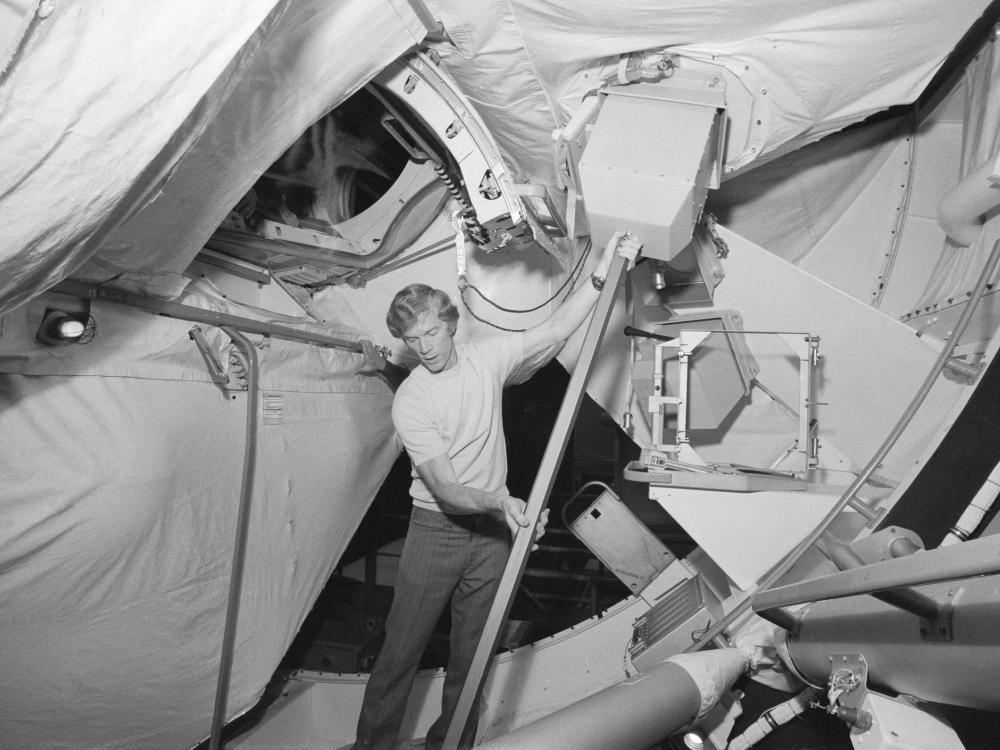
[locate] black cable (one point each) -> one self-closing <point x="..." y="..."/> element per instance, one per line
<point x="556" y="293"/>
<point x="486" y="322"/>
<point x="574" y="274"/>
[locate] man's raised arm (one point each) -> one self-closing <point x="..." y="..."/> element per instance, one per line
<point x="571" y="314"/>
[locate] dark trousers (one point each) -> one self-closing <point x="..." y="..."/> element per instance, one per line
<point x="445" y="557"/>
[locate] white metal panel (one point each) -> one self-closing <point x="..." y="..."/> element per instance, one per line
<point x="920" y="247"/>
<point x="855" y="252"/>
<point x="758" y="530"/>
<point x="872" y="365"/>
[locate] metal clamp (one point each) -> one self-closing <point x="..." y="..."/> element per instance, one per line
<point x="847" y="689"/>
<point x="215" y="369"/>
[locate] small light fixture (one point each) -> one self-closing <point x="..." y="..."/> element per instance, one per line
<point x="659" y="276"/>
<point x="65" y="320"/>
<point x="694" y="741"/>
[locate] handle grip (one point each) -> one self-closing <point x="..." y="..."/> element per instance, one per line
<point x="630" y="331"/>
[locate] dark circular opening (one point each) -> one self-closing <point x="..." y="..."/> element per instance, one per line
<point x="339" y="167"/>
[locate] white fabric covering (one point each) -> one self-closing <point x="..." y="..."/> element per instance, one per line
<point x="794" y="71"/>
<point x="99" y="106"/>
<point x="120" y="491"/>
<point x="121" y="462"/>
<point x="959" y="267"/>
<point x="172" y="113"/>
<point x="127" y="135"/>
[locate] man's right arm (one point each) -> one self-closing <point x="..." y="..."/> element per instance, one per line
<point x="576" y="308"/>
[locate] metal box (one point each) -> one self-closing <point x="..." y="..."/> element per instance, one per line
<point x="621" y="541"/>
<point x="650" y="159"/>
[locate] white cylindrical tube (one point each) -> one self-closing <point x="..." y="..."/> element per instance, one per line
<point x="635" y="713"/>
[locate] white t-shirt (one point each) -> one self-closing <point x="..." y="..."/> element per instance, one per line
<point x="459" y="412"/>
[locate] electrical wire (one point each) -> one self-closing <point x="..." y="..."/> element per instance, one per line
<point x="89" y="331"/>
<point x="571" y="279"/>
<point x="556" y="293"/>
<point x="484" y="321"/>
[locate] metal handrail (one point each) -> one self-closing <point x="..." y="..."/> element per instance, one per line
<point x="240" y="545"/>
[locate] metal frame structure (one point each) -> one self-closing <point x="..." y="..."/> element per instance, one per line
<point x="805" y="347"/>
<point x="849" y="497"/>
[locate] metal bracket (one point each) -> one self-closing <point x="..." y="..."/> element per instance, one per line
<point x="941" y="627"/>
<point x="847" y="689"/>
<point x="215" y="369"/>
<point x="963" y="370"/>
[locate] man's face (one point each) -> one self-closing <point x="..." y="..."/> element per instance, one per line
<point x="433" y="341"/>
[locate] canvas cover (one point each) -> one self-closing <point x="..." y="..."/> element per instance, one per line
<point x="121" y="462"/>
<point x="127" y="136"/>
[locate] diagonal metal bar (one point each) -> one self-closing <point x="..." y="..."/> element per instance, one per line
<point x="537" y="500"/>
<point x="201" y="315"/>
<point x="975" y="558"/>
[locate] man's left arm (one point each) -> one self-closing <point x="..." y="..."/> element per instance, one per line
<point x="571" y="314"/>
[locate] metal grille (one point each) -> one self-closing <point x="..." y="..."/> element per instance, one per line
<point x="677" y="606"/>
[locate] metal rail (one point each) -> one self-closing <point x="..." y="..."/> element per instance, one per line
<point x="201" y="315"/>
<point x="537" y="500"/>
<point x="240" y="546"/>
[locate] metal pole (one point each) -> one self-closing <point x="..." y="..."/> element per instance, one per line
<point x="974" y="558"/>
<point x="537" y="501"/>
<point x="239" y="548"/>
<point x="200" y="315"/>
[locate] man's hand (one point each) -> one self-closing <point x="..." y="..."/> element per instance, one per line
<point x="516" y="518"/>
<point x="626" y="245"/>
<point x="373" y="361"/>
<point x="629" y="247"/>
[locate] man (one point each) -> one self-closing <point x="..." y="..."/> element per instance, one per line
<point x="448" y="415"/>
